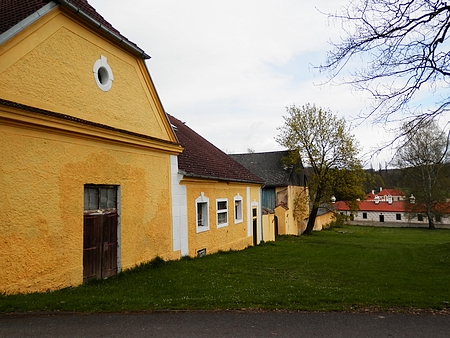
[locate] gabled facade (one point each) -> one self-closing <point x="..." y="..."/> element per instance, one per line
<point x="85" y="149"/>
<point x="284" y="192"/>
<point x="216" y="200"/>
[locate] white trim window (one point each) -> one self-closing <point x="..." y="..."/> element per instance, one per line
<point x="202" y="213"/>
<point x="238" y="209"/>
<point x="222" y="212"/>
<point x="103" y="74"/>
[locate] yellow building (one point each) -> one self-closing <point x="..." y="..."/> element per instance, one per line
<point x="216" y="200"/>
<point x="85" y="150"/>
<point x="284" y="193"/>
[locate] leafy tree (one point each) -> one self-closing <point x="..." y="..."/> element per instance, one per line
<point x="424" y="157"/>
<point x="373" y="181"/>
<point x="402" y="49"/>
<point x="323" y="142"/>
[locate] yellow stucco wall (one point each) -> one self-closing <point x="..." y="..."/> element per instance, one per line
<point x="269" y="227"/>
<point x="230" y="237"/>
<point x="45" y="161"/>
<point x="323" y="221"/>
<point x="41" y="198"/>
<point x="49" y="65"/>
<point x="290" y="217"/>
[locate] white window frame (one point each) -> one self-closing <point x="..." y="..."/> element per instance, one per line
<point x="221" y="212"/>
<point x="238" y="209"/>
<point x="103" y="74"/>
<point x="202" y="199"/>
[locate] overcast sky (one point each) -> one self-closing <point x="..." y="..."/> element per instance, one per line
<point x="228" y="68"/>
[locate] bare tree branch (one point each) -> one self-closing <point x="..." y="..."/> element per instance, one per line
<point x="402" y="49"/>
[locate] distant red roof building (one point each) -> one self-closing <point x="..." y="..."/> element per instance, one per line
<point x="395" y="206"/>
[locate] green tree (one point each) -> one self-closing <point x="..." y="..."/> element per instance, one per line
<point x="395" y="50"/>
<point x="324" y="142"/>
<point x="424" y="158"/>
<point x="373" y="181"/>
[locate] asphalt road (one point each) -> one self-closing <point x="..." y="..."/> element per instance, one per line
<point x="226" y="324"/>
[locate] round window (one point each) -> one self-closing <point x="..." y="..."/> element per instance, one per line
<point x="103" y="74"/>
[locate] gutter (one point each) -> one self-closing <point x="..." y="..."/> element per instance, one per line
<point x="104" y="29"/>
<point x="218" y="178"/>
<point x="5" y="36"/>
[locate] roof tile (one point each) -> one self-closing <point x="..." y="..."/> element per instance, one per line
<point x="269" y="166"/>
<point x="202" y="159"/>
<point x="13" y="11"/>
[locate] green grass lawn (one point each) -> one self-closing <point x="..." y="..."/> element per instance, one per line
<point x="344" y="269"/>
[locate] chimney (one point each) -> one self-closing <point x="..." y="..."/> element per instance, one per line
<point x="377" y="199"/>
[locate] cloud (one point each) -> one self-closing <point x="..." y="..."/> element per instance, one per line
<point x="229" y="68"/>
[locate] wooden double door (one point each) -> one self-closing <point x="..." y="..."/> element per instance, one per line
<point x="100" y="238"/>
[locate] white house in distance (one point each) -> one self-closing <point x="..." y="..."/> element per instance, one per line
<point x="386" y="208"/>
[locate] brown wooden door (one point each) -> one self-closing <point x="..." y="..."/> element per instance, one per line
<point x="100" y="245"/>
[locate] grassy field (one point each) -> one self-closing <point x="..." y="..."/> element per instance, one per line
<point x="344" y="269"/>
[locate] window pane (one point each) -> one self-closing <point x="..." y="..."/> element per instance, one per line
<point x="93" y="199"/>
<point x="222" y="217"/>
<point x="201" y="214"/>
<point x="222" y="205"/>
<point x="238" y="209"/>
<point x="112" y="198"/>
<point x="103" y="198"/>
<point x="86" y="199"/>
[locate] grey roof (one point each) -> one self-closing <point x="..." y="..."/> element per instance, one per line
<point x="270" y="167"/>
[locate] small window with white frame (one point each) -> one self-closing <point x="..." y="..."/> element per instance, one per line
<point x="238" y="209"/>
<point x="202" y="213"/>
<point x="222" y="212"/>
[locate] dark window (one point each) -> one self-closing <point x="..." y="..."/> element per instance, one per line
<point x="438" y="218"/>
<point x="202" y="214"/>
<point x="365" y="215"/>
<point x="100" y="197"/>
<point x="222" y="212"/>
<point x="420" y="217"/>
<point x="381" y="218"/>
<point x="398" y="217"/>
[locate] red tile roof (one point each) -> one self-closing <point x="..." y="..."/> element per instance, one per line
<point x="392" y="192"/>
<point x="202" y="159"/>
<point x="385" y="193"/>
<point x="396" y="206"/>
<point x="14" y="11"/>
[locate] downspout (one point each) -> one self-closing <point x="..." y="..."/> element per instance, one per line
<point x="103" y="28"/>
<point x="260" y="214"/>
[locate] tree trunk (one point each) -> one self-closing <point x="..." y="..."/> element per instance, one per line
<point x="430" y="221"/>
<point x="311" y="221"/>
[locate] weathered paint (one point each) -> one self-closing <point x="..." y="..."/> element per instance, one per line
<point x="230" y="237"/>
<point x="45" y="161"/>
